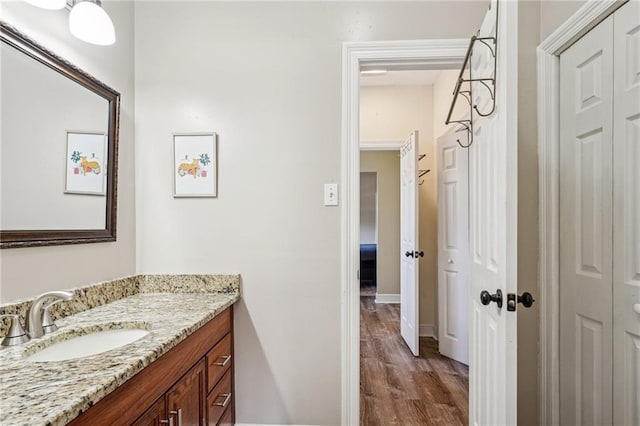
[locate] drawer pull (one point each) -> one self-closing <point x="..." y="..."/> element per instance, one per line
<point x="223" y="363"/>
<point x="178" y="414"/>
<point x="167" y="422"/>
<point x="227" y="398"/>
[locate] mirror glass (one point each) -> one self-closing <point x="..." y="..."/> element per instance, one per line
<point x="57" y="149"/>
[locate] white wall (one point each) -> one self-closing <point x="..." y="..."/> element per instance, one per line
<point x="267" y="78"/>
<point x="29" y="271"/>
<point x="528" y="319"/>
<point x="553" y="13"/>
<point x="368" y="207"/>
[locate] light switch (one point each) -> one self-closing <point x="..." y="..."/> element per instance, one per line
<point x="330" y="194"/>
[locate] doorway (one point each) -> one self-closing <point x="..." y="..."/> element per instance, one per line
<point x="401" y="382"/>
<point x="493" y="213"/>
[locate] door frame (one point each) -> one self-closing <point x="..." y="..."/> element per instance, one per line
<point x="548" y="56"/>
<point x="433" y="54"/>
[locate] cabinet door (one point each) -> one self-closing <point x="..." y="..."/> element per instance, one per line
<point x="154" y="415"/>
<point x="185" y="399"/>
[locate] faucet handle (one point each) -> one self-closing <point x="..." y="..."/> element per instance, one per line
<point x="48" y="325"/>
<point x="16" y="334"/>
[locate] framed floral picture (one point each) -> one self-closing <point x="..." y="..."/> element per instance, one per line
<point x="85" y="164"/>
<point x="195" y="165"/>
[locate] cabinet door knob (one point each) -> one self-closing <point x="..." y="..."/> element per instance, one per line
<point x="409" y="254"/>
<point x="167" y="422"/>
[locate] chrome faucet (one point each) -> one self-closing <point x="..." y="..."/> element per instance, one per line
<point x="35" y="313"/>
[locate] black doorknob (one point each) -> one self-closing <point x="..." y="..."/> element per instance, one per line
<point x="512" y="300"/>
<point x="486" y="297"/>
<point x="409" y="254"/>
<point x="526" y="299"/>
<point x="419" y="253"/>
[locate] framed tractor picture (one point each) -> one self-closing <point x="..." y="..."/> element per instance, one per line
<point x="85" y="164"/>
<point x="195" y="165"/>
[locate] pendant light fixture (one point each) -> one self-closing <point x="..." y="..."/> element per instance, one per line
<point x="48" y="4"/>
<point x="89" y="22"/>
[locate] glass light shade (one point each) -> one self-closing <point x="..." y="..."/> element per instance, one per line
<point x="89" y="22"/>
<point x="48" y="4"/>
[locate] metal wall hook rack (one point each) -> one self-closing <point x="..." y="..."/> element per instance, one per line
<point x="422" y="173"/>
<point x="489" y="83"/>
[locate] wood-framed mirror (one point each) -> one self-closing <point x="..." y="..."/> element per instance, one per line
<point x="58" y="149"/>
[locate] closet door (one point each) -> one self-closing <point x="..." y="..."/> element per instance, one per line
<point x="586" y="294"/>
<point x="626" y="209"/>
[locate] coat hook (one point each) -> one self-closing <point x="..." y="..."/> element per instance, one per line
<point x="470" y="141"/>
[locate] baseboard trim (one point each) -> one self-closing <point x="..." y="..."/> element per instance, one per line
<point x="387" y="298"/>
<point x="428" y="330"/>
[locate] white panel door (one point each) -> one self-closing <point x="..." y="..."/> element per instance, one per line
<point x="493" y="214"/>
<point x="453" y="248"/>
<point x="409" y="289"/>
<point x="586" y="296"/>
<point x="626" y="215"/>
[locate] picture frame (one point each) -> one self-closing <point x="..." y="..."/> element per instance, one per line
<point x="195" y="165"/>
<point x="85" y="166"/>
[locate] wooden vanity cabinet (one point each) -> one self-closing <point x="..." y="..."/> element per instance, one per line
<point x="183" y="403"/>
<point x="154" y="416"/>
<point x="227" y="419"/>
<point x="192" y="382"/>
<point x="185" y="399"/>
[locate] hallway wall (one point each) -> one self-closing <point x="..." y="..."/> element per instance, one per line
<point x="442" y="95"/>
<point x="368" y="207"/>
<point x="391" y="113"/>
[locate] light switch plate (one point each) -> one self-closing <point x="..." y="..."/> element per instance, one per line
<point x="330" y="194"/>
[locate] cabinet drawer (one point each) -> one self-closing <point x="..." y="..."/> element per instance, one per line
<point x="227" y="419"/>
<point x="219" y="399"/>
<point x="218" y="361"/>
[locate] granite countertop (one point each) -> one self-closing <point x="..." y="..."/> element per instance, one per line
<point x="54" y="393"/>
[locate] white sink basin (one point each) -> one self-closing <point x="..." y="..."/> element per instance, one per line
<point x="89" y="344"/>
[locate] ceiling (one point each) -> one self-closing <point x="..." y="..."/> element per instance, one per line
<point x="401" y="78"/>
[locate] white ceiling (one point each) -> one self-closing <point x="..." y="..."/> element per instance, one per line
<point x="401" y="78"/>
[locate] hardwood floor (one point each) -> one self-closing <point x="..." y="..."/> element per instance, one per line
<point x="397" y="388"/>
